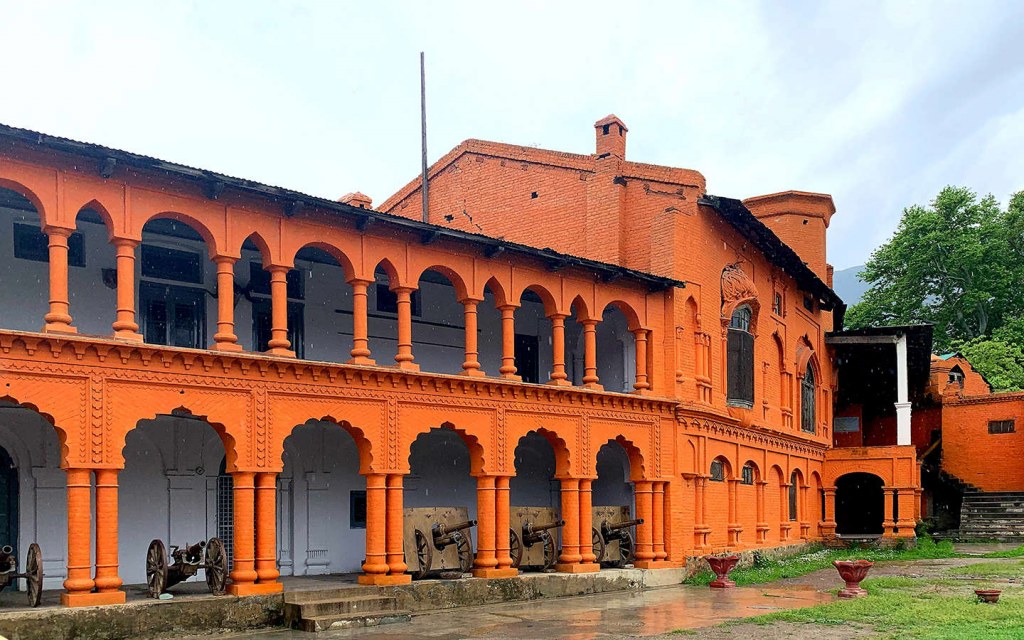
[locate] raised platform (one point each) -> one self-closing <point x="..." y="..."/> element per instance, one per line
<point x="193" y="611"/>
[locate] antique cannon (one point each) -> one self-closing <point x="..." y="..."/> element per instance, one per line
<point x="33" y="573"/>
<point x="437" y="541"/>
<point x="209" y="556"/>
<point x="613" y="540"/>
<point x="531" y="539"/>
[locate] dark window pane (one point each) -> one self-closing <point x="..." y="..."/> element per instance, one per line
<point x="174" y="316"/>
<point x="717" y="471"/>
<point x="527" y="358"/>
<point x="792" y="497"/>
<point x="171" y="264"/>
<point x="262" y="322"/>
<point x="748" y="475"/>
<point x="357" y="509"/>
<point x="740" y="368"/>
<point x="154" y="320"/>
<point x="30" y="243"/>
<point x="1001" y="426"/>
<point x="808" y="402"/>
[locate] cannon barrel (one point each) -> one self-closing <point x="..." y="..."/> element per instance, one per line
<point x="195" y="549"/>
<point x="529" y="527"/>
<point x="623" y="525"/>
<point x="443" y="533"/>
<point x="7" y="550"/>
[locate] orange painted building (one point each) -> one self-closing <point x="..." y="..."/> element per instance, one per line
<point x="577" y="329"/>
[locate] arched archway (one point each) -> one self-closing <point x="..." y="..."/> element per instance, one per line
<point x="24" y="295"/>
<point x="322" y="501"/>
<point x="9" y="506"/>
<point x="860" y="506"/>
<point x="616" y="350"/>
<point x="169" y="488"/>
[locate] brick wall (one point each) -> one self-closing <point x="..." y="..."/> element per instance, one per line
<point x="991" y="462"/>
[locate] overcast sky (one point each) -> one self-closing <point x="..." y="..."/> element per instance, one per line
<point x="879" y="104"/>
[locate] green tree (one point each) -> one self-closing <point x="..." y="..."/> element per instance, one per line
<point x="957" y="264"/>
<point x="1002" y="364"/>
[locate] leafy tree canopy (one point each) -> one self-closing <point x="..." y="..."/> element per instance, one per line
<point x="959" y="265"/>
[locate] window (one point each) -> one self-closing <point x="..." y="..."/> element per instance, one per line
<point x="171" y="264"/>
<point x="794" y="480"/>
<point x="747" y="475"/>
<point x="808" y="402"/>
<point x="387" y="300"/>
<point x="259" y="281"/>
<point x="1001" y="426"/>
<point x="173" y="315"/>
<point x="30" y="243"/>
<point x="809" y="303"/>
<point x="527" y="350"/>
<point x="777" y="304"/>
<point x="956" y="376"/>
<point x="357" y="509"/>
<point x="717" y="471"/>
<point x="262" y="322"/>
<point x="740" y="361"/>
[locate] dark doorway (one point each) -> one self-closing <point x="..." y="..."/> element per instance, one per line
<point x="859" y="504"/>
<point x="8" y="501"/>
<point x="528" y="357"/>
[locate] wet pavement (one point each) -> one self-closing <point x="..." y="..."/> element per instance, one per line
<point x="600" y="617"/>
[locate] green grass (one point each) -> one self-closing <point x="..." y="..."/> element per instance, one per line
<point x="764" y="570"/>
<point x="899" y="607"/>
<point x="1012" y="553"/>
<point x="990" y="570"/>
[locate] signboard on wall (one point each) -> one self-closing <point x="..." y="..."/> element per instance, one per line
<point x="850" y="424"/>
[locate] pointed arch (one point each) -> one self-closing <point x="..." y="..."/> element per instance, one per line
<point x="395" y="280"/>
<point x="632" y="317"/>
<point x="213" y="247"/>
<point x="497" y="290"/>
<point x="266" y="254"/>
<point x="545" y="295"/>
<point x="456" y="280"/>
<point x="358" y="436"/>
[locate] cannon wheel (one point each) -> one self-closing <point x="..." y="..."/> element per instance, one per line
<point x="550" y="556"/>
<point x="156" y="568"/>
<point x="625" y="550"/>
<point x="465" y="551"/>
<point x="216" y="566"/>
<point x="515" y="548"/>
<point x="34" y="574"/>
<point x="424" y="555"/>
<point x="598" y="542"/>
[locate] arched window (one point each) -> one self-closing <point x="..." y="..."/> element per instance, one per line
<point x="808" y="403"/>
<point x="740" y="361"/>
<point x="794" y="479"/>
<point x="717" y="471"/>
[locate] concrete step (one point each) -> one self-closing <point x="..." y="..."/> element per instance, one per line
<point x="335" y="606"/>
<point x="353" y="620"/>
<point x="298" y="597"/>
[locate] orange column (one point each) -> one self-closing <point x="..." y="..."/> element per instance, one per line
<point x="243" y="569"/>
<point x="558" y="375"/>
<point x="644" y="511"/>
<point x="394" y="522"/>
<point x="698" y="513"/>
<point x="125" y="326"/>
<point x="590" y="379"/>
<point x="734" y="527"/>
<point x="640" y="340"/>
<point x="225" y="338"/>
<point x="588" y="561"/>
<point x="471" y="366"/>
<point x="502" y="515"/>
<point x="784" y="525"/>
<point x="762" y="526"/>
<point x="404" y="357"/>
<point x="266" y="533"/>
<point x="107" y="581"/>
<point x="278" y="343"/>
<point x="570" y="558"/>
<point x="485" y="531"/>
<point x="905" y="521"/>
<point x="59" y="318"/>
<point x="508" y="342"/>
<point x="78" y="583"/>
<point x="376" y="529"/>
<point x="828" y="527"/>
<point x="360" y="323"/>
<point x="658" y="514"/>
<point x="888" y="523"/>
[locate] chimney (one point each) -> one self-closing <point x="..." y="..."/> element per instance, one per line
<point x="356" y="199"/>
<point x="611" y="136"/>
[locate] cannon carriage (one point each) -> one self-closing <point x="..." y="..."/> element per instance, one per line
<point x="33" y="573"/>
<point x="614" y="544"/>
<point x="209" y="556"/>
<point x="437" y="541"/>
<point x="532" y="543"/>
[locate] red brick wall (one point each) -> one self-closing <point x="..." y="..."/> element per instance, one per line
<point x="991" y="462"/>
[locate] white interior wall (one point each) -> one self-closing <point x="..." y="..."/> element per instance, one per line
<point x="439" y="473"/>
<point x="612" y="486"/>
<point x="534" y="484"/>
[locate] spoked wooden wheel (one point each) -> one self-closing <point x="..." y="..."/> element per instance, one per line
<point x="156" y="568"/>
<point x="465" y="551"/>
<point x="216" y="566"/>
<point x="34" y="574"/>
<point x="550" y="557"/>
<point x="598" y="542"/>
<point x="625" y="549"/>
<point x="515" y="548"/>
<point x="424" y="555"/>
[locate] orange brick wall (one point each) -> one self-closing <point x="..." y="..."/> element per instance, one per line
<point x="991" y="462"/>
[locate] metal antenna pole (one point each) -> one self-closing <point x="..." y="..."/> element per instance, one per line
<point x="423" y="128"/>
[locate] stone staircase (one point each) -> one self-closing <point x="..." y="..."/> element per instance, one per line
<point x="992" y="515"/>
<point x="341" y="609"/>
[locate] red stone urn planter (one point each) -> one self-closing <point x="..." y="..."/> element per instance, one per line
<point x="852" y="572"/>
<point x="988" y="595"/>
<point x="722" y="565"/>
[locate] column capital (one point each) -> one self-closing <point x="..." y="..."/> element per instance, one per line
<point x="125" y="242"/>
<point x="471" y="300"/>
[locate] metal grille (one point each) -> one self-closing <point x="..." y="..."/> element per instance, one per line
<point x="226" y="514"/>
